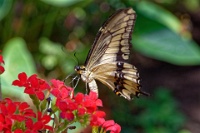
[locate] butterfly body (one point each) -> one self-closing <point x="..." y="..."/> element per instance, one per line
<point x="107" y="60"/>
<point x="87" y="77"/>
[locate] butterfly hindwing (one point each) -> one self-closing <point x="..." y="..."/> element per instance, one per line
<point x="121" y="77"/>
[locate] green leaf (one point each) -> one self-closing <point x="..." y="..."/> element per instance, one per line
<point x="5" y="6"/>
<point x="17" y="59"/>
<point x="62" y="3"/>
<point x="156" y="36"/>
<point x="167" y="46"/>
<point x="159" y="14"/>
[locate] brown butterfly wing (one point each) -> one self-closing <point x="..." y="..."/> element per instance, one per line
<point x="107" y="59"/>
<point x="113" y="41"/>
<point x="121" y="77"/>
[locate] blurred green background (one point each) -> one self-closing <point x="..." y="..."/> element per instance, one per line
<point x="41" y="36"/>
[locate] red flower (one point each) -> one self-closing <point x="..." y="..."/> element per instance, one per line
<point x="97" y="118"/>
<point x="91" y="102"/>
<point x="40" y="124"/>
<point x="67" y="115"/>
<point x="22" y="80"/>
<point x="67" y="105"/>
<point x="7" y="110"/>
<point x="24" y="111"/>
<point x="1" y="69"/>
<point x="82" y="104"/>
<point x="7" y="107"/>
<point x="1" y="59"/>
<point x="79" y="98"/>
<point x="13" y="111"/>
<point x="111" y="126"/>
<point x="94" y="97"/>
<point x="63" y="101"/>
<point x="81" y="111"/>
<point x="7" y="102"/>
<point x="62" y="94"/>
<point x="33" y="85"/>
<point x="59" y="90"/>
<point x="18" y="131"/>
<point x="1" y="62"/>
<point x="5" y="123"/>
<point x="36" y="87"/>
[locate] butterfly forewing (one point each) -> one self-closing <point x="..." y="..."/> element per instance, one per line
<point x="113" y="39"/>
<point x="107" y="59"/>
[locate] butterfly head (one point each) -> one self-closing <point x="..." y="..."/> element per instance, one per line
<point x="79" y="69"/>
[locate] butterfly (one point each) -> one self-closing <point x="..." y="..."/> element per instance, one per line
<point x="107" y="60"/>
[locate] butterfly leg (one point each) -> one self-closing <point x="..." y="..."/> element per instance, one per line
<point x="86" y="84"/>
<point x="70" y="75"/>
<point x="75" y="80"/>
<point x="72" y="81"/>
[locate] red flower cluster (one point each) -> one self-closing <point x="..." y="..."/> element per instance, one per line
<point x="74" y="106"/>
<point x="33" y="85"/>
<point x="71" y="108"/>
<point x="41" y="123"/>
<point x="80" y="106"/>
<point x="13" y="113"/>
<point x="1" y="62"/>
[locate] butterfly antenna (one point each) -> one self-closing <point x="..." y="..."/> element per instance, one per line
<point x="76" y="59"/>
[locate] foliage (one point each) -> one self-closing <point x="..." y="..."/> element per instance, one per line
<point x="18" y="59"/>
<point x="160" y="35"/>
<point x="155" y="114"/>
